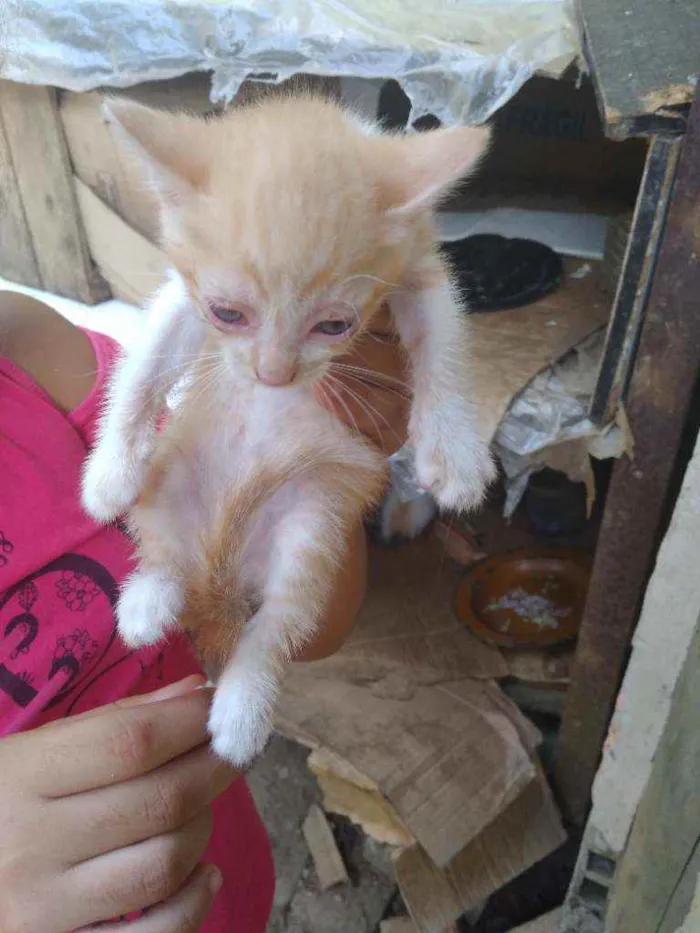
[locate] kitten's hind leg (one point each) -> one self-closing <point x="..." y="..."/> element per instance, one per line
<point x="307" y="549"/>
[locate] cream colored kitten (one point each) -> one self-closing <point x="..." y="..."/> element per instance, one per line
<point x="288" y="224"/>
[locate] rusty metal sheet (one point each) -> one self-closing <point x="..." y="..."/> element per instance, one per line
<point x="658" y="402"/>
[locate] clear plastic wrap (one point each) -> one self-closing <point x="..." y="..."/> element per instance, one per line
<point x="458" y="59"/>
<point x="548" y="425"/>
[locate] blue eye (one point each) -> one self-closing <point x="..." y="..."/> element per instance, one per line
<point x="228" y="315"/>
<point x="332" y="328"/>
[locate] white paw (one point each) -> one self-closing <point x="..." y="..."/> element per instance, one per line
<point x="112" y="481"/>
<point x="240" y="721"/>
<point x="149" y="604"/>
<point x="452" y="462"/>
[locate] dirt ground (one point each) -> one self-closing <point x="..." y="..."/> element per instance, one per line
<point x="284" y="789"/>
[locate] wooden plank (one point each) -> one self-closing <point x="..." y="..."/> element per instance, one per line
<point x="680" y="910"/>
<point x="17" y="259"/>
<point x="658" y="402"/>
<point x="132" y="265"/>
<point x="328" y="862"/>
<point x="44" y="180"/>
<point x="102" y="162"/>
<point x="642" y="56"/>
<point x="667" y="826"/>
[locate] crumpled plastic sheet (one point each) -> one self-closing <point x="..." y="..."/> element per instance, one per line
<point x="553" y="411"/>
<point x="458" y="59"/>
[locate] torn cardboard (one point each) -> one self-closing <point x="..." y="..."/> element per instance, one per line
<point x="448" y="760"/>
<point x="525" y="832"/>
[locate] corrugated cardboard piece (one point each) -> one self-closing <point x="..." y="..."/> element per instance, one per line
<point x="525" y="832"/>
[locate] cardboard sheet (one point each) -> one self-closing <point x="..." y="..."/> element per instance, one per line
<point x="528" y="830"/>
<point x="448" y="760"/>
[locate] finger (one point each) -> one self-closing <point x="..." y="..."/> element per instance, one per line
<point x="179" y="688"/>
<point x="122" y="743"/>
<point x="136" y="877"/>
<point x="155" y="803"/>
<point x="184" y="912"/>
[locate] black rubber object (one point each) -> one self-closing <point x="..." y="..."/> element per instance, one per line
<point x="496" y="273"/>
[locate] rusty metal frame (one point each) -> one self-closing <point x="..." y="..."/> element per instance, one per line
<point x="657" y="405"/>
<point x="635" y="280"/>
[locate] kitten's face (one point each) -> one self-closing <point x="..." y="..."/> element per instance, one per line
<point x="288" y="338"/>
<point x="291" y="222"/>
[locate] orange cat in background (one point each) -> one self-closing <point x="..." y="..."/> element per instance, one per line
<point x="288" y="224"/>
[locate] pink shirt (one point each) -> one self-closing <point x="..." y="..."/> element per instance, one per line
<point x="59" y="650"/>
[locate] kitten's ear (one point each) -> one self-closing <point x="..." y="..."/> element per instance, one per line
<point x="169" y="145"/>
<point x="429" y="164"/>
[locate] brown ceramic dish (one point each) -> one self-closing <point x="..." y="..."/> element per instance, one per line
<point x="532" y="597"/>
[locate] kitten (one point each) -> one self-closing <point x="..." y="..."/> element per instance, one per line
<point x="288" y="224"/>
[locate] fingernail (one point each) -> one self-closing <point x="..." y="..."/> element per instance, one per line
<point x="215" y="880"/>
<point x="179" y="688"/>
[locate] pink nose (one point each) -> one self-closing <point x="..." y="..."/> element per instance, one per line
<point x="275" y="377"/>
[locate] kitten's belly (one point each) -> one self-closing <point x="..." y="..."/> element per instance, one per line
<point x="203" y="479"/>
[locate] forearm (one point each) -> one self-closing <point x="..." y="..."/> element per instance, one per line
<point x="346" y="599"/>
<point x="151" y="367"/>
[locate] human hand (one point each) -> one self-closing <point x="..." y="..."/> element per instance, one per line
<point x="108" y="813"/>
<point x="372" y="382"/>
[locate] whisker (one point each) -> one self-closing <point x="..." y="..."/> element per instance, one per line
<point x="372" y="376"/>
<point x="339" y="399"/>
<point x="370" y="410"/>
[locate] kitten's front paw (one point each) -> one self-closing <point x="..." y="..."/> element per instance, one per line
<point x="453" y="463"/>
<point x="150" y="603"/>
<point x="240" y="722"/>
<point x="112" y="481"/>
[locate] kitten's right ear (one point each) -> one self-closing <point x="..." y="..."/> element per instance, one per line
<point x="169" y="145"/>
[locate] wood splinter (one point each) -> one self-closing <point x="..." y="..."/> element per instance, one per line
<point x="326" y="856"/>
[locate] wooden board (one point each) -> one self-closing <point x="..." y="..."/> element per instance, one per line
<point x="666" y="830"/>
<point x="528" y="830"/>
<point x="17" y="259"/>
<point x="327" y="859"/>
<point x="684" y="906"/>
<point x="101" y="162"/>
<point x="44" y="181"/>
<point x="132" y="265"/>
<point x="642" y="56"/>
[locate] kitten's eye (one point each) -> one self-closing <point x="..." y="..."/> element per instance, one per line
<point x="332" y="328"/>
<point x="228" y="315"/>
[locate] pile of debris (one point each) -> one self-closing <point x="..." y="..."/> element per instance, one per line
<point x="413" y="740"/>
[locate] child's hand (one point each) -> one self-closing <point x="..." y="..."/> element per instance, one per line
<point x="375" y="390"/>
<point x="108" y="813"/>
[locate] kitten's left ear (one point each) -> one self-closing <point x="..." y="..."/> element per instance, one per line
<point x="169" y="145"/>
<point x="427" y="165"/>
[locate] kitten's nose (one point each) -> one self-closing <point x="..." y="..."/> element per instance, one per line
<point x="276" y="377"/>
